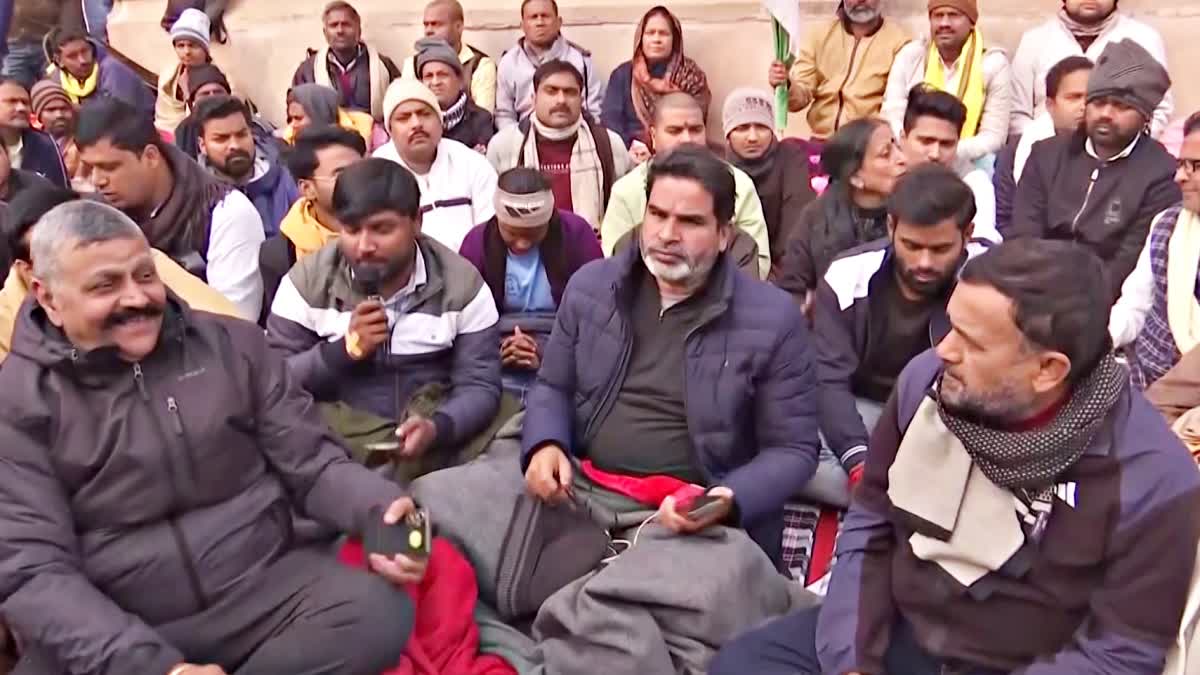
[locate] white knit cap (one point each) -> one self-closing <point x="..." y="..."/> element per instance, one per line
<point x="407" y="89"/>
<point x="193" y="25"/>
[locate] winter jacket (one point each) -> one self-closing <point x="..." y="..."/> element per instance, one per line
<point x="444" y="332"/>
<point x="514" y="79"/>
<point x="476" y="128"/>
<point x="1106" y="585"/>
<point x="841" y="78"/>
<point x="40" y="155"/>
<point x="117" y="80"/>
<point x="358" y="92"/>
<point x="825" y="228"/>
<point x="141" y="494"/>
<point x="272" y="190"/>
<point x="1066" y="193"/>
<point x="1004" y="183"/>
<point x="749" y="379"/>
<point x="849" y="326"/>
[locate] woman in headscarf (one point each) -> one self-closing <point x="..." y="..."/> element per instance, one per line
<point x="658" y="67"/>
<point x="316" y="104"/>
<point x="863" y="162"/>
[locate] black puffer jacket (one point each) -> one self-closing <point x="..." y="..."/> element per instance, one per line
<point x="137" y="494"/>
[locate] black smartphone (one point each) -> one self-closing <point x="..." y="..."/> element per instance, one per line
<point x="412" y="536"/>
<point x="703" y="506"/>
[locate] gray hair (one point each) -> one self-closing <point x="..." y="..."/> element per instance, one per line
<point x="72" y="225"/>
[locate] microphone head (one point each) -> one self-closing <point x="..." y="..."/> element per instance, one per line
<point x="367" y="278"/>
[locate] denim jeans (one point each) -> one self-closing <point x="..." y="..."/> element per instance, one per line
<point x="830" y="484"/>
<point x="24" y="61"/>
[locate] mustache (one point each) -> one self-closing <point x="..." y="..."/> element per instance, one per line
<point x="124" y="316"/>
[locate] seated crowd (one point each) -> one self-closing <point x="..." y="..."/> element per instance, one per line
<point x="610" y="359"/>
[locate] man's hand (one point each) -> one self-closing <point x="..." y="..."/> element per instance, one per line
<point x="368" y="330"/>
<point x="638" y="152"/>
<point x="399" y="569"/>
<point x="416" y="434"/>
<point x="520" y="350"/>
<point x="778" y="74"/>
<point x="549" y="474"/>
<point x="481" y="149"/>
<point x="679" y="523"/>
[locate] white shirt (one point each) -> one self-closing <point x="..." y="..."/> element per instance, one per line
<point x="459" y="174"/>
<point x="234" y="239"/>
<point x="1128" y="315"/>
<point x="1044" y="46"/>
<point x="985" y="202"/>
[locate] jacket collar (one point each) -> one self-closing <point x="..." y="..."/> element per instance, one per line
<point x="1090" y="149"/>
<point x="719" y="286"/>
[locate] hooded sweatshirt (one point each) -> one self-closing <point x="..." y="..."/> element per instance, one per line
<point x="142" y="494"/>
<point x="116" y="80"/>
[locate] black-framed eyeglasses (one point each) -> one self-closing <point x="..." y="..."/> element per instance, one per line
<point x="1189" y="166"/>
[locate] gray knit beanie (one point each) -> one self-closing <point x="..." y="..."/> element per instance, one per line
<point x="436" y="49"/>
<point x="1128" y="73"/>
<point x="746" y="105"/>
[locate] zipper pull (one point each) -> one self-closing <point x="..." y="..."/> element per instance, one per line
<point x="176" y="420"/>
<point x="140" y="381"/>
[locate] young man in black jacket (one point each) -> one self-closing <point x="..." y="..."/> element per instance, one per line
<point x="877" y="307"/>
<point x="1101" y="187"/>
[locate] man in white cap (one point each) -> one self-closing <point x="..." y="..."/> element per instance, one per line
<point x="457" y="184"/>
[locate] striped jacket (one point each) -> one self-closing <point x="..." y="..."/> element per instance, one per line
<point x="443" y="330"/>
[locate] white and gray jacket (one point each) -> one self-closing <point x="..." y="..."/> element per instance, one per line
<point x="514" y="80"/>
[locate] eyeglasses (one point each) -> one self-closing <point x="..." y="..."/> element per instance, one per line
<point x="1190" y="166"/>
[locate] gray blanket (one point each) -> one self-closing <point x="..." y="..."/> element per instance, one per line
<point x="663" y="606"/>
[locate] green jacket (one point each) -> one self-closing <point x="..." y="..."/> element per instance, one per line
<point x="627" y="206"/>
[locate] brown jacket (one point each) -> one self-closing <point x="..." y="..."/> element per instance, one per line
<point x="840" y="78"/>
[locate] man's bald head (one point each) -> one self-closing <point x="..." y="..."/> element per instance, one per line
<point x="678" y="119"/>
<point x="676" y="100"/>
<point x="444" y="19"/>
<point x="453" y="6"/>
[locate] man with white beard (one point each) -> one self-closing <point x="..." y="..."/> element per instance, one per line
<point x="670" y="377"/>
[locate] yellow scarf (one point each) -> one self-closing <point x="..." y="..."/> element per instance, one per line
<point x="971" y="87"/>
<point x="77" y="90"/>
<point x="302" y="228"/>
<point x="1183" y="257"/>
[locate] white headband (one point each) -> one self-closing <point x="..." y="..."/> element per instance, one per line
<point x="524" y="211"/>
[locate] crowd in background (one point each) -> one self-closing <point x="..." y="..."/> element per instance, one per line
<point x="914" y="394"/>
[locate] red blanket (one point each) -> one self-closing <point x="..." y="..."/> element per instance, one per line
<point x="445" y="640"/>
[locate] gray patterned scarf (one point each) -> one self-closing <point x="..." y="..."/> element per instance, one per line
<point x="1034" y="459"/>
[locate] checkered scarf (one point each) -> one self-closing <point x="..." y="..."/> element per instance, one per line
<point x="1034" y="459"/>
